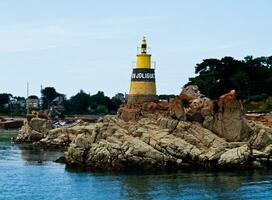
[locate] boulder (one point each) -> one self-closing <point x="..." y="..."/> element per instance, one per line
<point x="199" y="105"/>
<point x="176" y="109"/>
<point x="235" y="157"/>
<point x="191" y="92"/>
<point x="35" y="136"/>
<point x="268" y="149"/>
<point x="128" y="114"/>
<point x="40" y="125"/>
<point x="261" y="136"/>
<point x="229" y="121"/>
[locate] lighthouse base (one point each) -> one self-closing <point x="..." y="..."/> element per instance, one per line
<point x="139" y="98"/>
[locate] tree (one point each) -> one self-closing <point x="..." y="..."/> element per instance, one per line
<point x="99" y="99"/>
<point x="101" y="109"/>
<point x="4" y="98"/>
<point x="249" y="77"/>
<point x="166" y="97"/>
<point x="48" y="95"/>
<point x="83" y="103"/>
<point x="80" y="103"/>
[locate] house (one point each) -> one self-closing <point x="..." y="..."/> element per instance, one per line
<point x="32" y="102"/>
<point x="57" y="103"/>
<point x="17" y="102"/>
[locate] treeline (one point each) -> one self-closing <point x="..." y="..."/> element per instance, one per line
<point x="56" y="103"/>
<point x="81" y="103"/>
<point x="12" y="105"/>
<point x="250" y="77"/>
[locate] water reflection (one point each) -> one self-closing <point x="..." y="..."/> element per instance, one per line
<point x="24" y="152"/>
<point x="184" y="184"/>
<point x="31" y="154"/>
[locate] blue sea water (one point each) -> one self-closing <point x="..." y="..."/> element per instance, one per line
<point x="22" y="177"/>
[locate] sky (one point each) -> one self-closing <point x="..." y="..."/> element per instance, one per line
<point x="91" y="45"/>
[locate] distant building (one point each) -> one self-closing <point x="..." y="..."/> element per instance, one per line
<point x="17" y="102"/>
<point x="32" y="102"/>
<point x="57" y="103"/>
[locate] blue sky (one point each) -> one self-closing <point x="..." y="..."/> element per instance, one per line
<point x="90" y="45"/>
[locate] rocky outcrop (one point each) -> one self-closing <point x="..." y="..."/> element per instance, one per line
<point x="160" y="136"/>
<point x="229" y="121"/>
<point x="199" y="106"/>
<point x="34" y="130"/>
<point x="154" y="144"/>
<point x="41" y="132"/>
<point x="11" y="123"/>
<point x="134" y="112"/>
<point x="264" y="118"/>
<point x="260" y="137"/>
<point x="238" y="156"/>
<point x="191" y="92"/>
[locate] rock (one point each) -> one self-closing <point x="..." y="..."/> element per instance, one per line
<point x="36" y="114"/>
<point x="40" y="125"/>
<point x="235" y="157"/>
<point x="35" y="136"/>
<point x="40" y="131"/>
<point x="259" y="154"/>
<point x="261" y="136"/>
<point x="128" y="114"/>
<point x="158" y="136"/>
<point x="30" y="116"/>
<point x="176" y="109"/>
<point x="11" y="124"/>
<point x="118" y="150"/>
<point x="268" y="149"/>
<point x="191" y="92"/>
<point x="199" y="106"/>
<point x="147" y="145"/>
<point x="33" y="130"/>
<point x="156" y="142"/>
<point x="60" y="160"/>
<point x="264" y="118"/>
<point x="2" y="119"/>
<point x="229" y="121"/>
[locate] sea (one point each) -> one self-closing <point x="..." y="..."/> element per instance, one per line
<point x="27" y="173"/>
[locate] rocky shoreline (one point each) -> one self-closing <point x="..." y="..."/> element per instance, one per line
<point x="11" y="123"/>
<point x="160" y="136"/>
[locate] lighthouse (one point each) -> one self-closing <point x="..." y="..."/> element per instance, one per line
<point x="143" y="84"/>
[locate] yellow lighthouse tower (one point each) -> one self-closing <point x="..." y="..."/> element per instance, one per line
<point x="143" y="85"/>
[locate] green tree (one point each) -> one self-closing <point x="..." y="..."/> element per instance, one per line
<point x="48" y="95"/>
<point x="249" y="77"/>
<point x="4" y="98"/>
<point x="80" y="103"/>
<point x="166" y="97"/>
<point x="101" y="109"/>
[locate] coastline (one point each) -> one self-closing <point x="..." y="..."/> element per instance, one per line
<point x="157" y="136"/>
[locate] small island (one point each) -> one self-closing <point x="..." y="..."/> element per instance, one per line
<point x="188" y="131"/>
